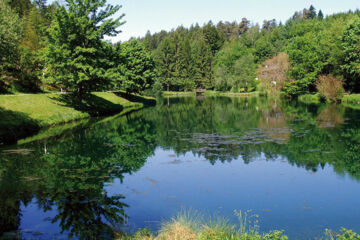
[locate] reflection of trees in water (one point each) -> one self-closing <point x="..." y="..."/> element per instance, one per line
<point x="71" y="176"/>
<point x="331" y="116"/>
<point x="274" y="123"/>
<point x="223" y="129"/>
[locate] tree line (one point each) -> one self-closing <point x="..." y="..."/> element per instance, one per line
<point x="62" y="46"/>
<point x="48" y="47"/>
<point x="240" y="57"/>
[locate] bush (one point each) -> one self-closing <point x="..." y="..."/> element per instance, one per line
<point x="330" y="87"/>
<point x="273" y="73"/>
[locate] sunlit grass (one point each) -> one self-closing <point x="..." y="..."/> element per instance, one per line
<point x="191" y="225"/>
<point x="23" y="114"/>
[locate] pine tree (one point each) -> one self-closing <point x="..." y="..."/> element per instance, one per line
<point x="320" y="15"/>
<point x="212" y="38"/>
<point x="312" y="12"/>
<point x="203" y="61"/>
<point x="165" y="59"/>
<point x="21" y="7"/>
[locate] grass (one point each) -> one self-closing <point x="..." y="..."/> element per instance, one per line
<point x="348" y="100"/>
<point x="193" y="226"/>
<point x="351" y="99"/>
<point x="172" y="93"/>
<point x="22" y="115"/>
<point x="230" y="94"/>
<point x="210" y="93"/>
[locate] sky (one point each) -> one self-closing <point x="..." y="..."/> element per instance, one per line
<point x="157" y="15"/>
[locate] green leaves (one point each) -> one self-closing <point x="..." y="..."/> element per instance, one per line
<point x="351" y="47"/>
<point x="76" y="56"/>
<point x="235" y="68"/>
<point x="11" y="30"/>
<point x="134" y="67"/>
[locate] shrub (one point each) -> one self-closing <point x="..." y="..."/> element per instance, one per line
<point x="273" y="73"/>
<point x="330" y="87"/>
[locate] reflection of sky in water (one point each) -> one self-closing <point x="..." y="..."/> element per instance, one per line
<point x="285" y="197"/>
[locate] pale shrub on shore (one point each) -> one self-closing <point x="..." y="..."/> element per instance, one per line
<point x="330" y="87"/>
<point x="272" y="73"/>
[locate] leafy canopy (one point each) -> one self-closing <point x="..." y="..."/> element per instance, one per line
<point x="75" y="56"/>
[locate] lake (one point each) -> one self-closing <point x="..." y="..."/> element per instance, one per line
<point x="296" y="166"/>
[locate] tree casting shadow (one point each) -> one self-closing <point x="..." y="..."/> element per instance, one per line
<point x="15" y="125"/>
<point x="136" y="98"/>
<point x="89" y="103"/>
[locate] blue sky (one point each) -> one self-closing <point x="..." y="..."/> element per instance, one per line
<point x="156" y="15"/>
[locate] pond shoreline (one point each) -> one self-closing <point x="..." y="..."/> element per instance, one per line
<point x="26" y="114"/>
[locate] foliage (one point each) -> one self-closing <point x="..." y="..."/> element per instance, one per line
<point x="305" y="63"/>
<point x="350" y="46"/>
<point x="135" y="66"/>
<point x="75" y="55"/>
<point x="10" y="34"/>
<point x="330" y="87"/>
<point x="235" y="68"/>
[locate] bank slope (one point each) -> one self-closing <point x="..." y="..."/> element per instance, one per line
<point x="22" y="115"/>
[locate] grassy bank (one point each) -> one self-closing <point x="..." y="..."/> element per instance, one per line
<point x="22" y="115"/>
<point x="210" y="93"/>
<point x="230" y="94"/>
<point x="179" y="94"/>
<point x="349" y="100"/>
<point x="194" y="227"/>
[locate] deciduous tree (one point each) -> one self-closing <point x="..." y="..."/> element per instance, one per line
<point x="74" y="56"/>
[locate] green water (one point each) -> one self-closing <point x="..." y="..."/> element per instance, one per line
<point x="296" y="166"/>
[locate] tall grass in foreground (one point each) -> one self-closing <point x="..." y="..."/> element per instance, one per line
<point x="193" y="226"/>
<point x="190" y="225"/>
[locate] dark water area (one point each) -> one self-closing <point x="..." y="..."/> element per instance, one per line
<point x="296" y="166"/>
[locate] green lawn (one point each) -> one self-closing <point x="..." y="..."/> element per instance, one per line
<point x="23" y="114"/>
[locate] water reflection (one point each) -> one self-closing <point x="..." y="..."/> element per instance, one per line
<point x="67" y="173"/>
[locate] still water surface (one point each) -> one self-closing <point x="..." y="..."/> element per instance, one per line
<point x="296" y="166"/>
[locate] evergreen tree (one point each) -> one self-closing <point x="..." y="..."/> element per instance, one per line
<point x="212" y="38"/>
<point x="244" y="26"/>
<point x="320" y="15"/>
<point x="312" y="12"/>
<point x="203" y="61"/>
<point x="75" y="54"/>
<point x="186" y="65"/>
<point x="21" y="7"/>
<point x="165" y="61"/>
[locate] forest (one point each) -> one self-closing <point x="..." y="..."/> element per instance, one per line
<point x="53" y="47"/>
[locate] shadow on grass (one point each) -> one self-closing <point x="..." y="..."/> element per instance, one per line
<point x="136" y="98"/>
<point x="89" y="103"/>
<point x="15" y="125"/>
